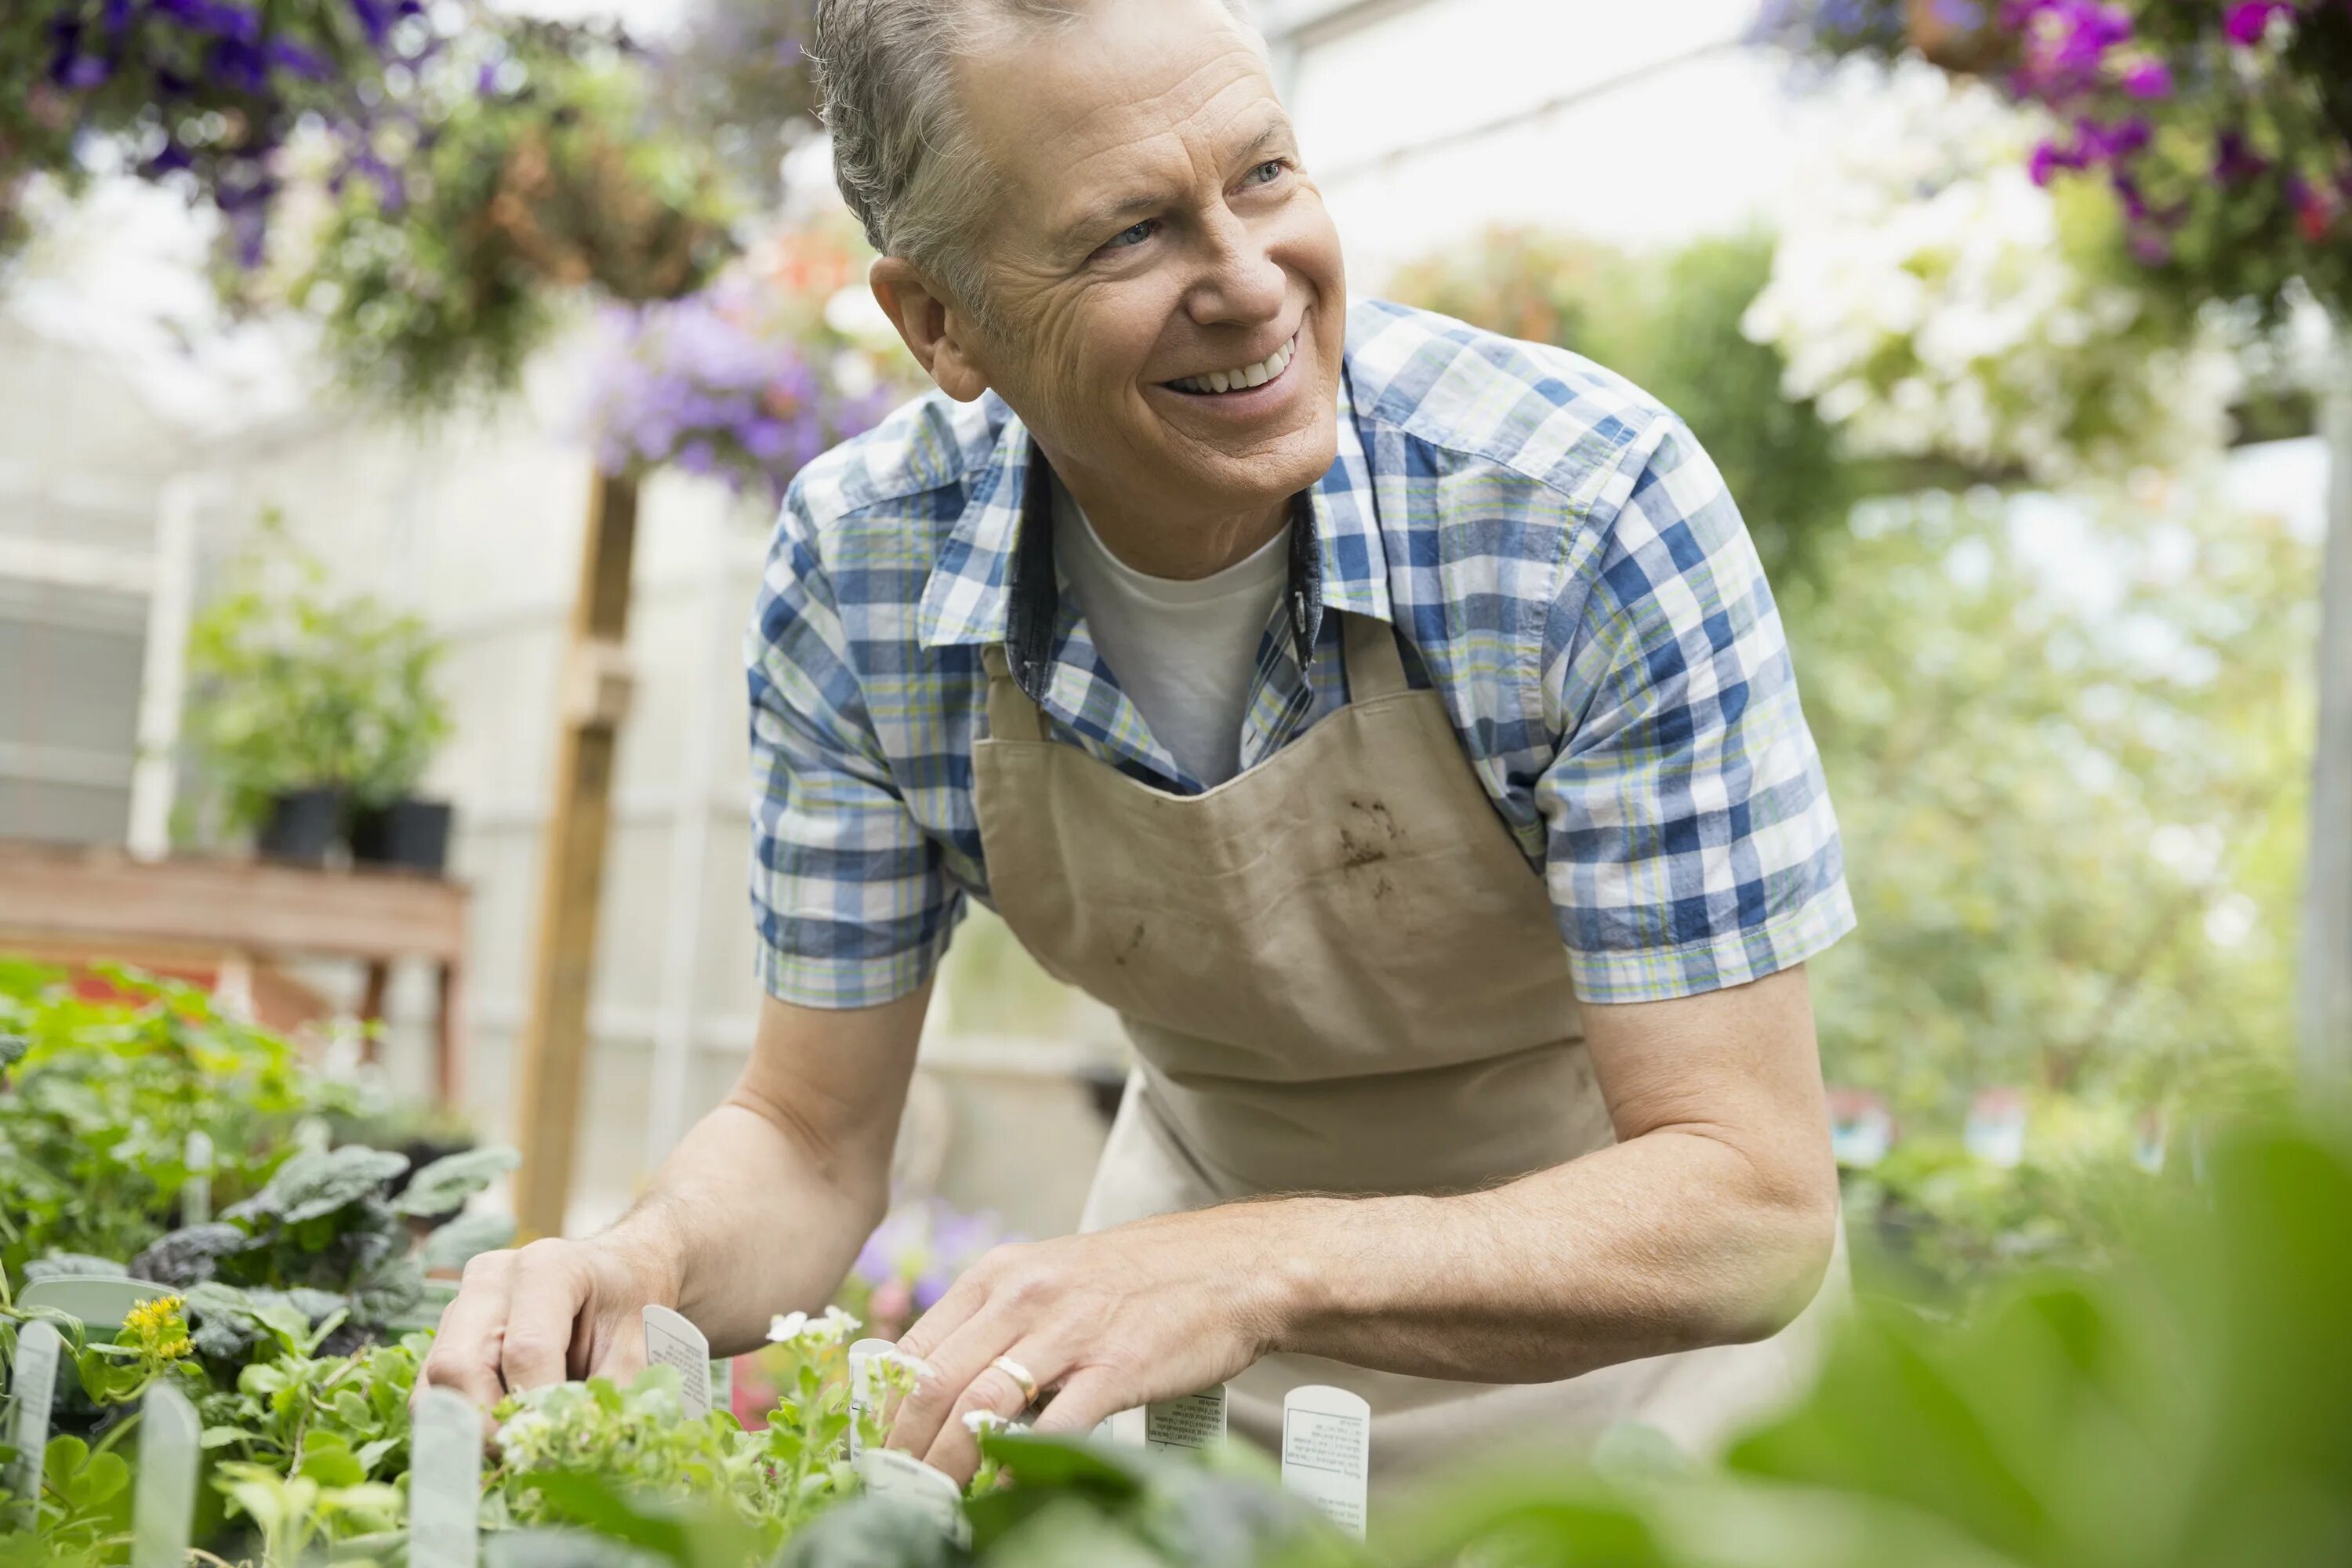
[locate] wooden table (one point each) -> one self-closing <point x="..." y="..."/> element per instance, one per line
<point x="101" y="903"/>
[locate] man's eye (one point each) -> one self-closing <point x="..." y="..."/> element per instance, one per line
<point x="1266" y="174"/>
<point x="1128" y="237"/>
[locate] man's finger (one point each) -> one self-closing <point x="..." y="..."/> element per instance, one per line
<point x="949" y="1312"/>
<point x="954" y="1365"/>
<point x="467" y="1347"/>
<point x="1085" y="1402"/>
<point x="548" y="1287"/>
<point x="956" y="1448"/>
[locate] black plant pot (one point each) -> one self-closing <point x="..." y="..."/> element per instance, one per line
<point x="303" y="825"/>
<point x="412" y="833"/>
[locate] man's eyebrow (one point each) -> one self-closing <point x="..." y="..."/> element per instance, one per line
<point x="1114" y="217"/>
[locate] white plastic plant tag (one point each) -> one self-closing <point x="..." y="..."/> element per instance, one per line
<point x="164" y="1508"/>
<point x="444" y="1484"/>
<point x="311" y="1135"/>
<point x="672" y="1342"/>
<point x="196" y="1192"/>
<point x="1127" y="1428"/>
<point x="1326" y="1452"/>
<point x="32" y="1385"/>
<point x="1195" y="1421"/>
<point x="888" y="1473"/>
<point x="861" y="1389"/>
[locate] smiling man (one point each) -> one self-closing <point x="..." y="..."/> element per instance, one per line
<point x="1389" y="719"/>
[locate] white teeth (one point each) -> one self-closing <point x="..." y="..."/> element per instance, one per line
<point x="1257" y="374"/>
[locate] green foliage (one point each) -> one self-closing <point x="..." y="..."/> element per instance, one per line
<point x="443" y="1186"/>
<point x="297" y="688"/>
<point x="1673" y="328"/>
<point x="95" y="1112"/>
<point x="2073" y="830"/>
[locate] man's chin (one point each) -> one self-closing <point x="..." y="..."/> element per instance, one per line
<point x="1240" y="473"/>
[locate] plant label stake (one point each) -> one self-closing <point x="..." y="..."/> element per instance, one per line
<point x="1124" y="1429"/>
<point x="861" y="1389"/>
<point x="673" y="1342"/>
<point x="445" y="1487"/>
<point x="888" y="1473"/>
<point x="164" y="1508"/>
<point x="31" y="1387"/>
<point x="1194" y="1421"/>
<point x="196" y="1192"/>
<point x="1326" y="1452"/>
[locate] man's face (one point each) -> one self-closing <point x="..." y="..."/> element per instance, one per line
<point x="1156" y="236"/>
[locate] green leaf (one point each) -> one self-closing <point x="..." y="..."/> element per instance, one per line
<point x="451" y="1246"/>
<point x="443" y="1185"/>
<point x="870" y="1532"/>
<point x="315" y="1183"/>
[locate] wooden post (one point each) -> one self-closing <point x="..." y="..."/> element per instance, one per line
<point x="2327" y="904"/>
<point x="594" y="696"/>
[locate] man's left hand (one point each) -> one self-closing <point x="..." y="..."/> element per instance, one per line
<point x="1104" y="1322"/>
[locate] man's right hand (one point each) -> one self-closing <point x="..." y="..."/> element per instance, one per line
<point x="759" y="1210"/>
<point x="548" y="1312"/>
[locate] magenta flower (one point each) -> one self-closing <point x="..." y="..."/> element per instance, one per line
<point x="2149" y="78"/>
<point x="2247" y="20"/>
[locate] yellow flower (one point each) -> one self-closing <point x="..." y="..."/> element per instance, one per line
<point x="160" y="1331"/>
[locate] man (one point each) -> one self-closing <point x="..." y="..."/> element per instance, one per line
<point x="1391" y="719"/>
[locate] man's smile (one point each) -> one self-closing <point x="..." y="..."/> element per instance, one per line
<point x="1243" y="377"/>
<point x="1247" y="393"/>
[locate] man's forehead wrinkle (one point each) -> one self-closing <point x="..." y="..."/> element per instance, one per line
<point x="1178" y="154"/>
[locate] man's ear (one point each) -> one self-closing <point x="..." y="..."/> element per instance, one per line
<point x="937" y="333"/>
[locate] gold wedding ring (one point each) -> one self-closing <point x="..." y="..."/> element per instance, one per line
<point x="1019" y="1374"/>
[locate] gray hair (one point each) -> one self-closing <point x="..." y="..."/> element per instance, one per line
<point x="902" y="153"/>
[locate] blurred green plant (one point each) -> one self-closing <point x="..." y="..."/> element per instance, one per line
<point x="2073" y="828"/>
<point x="1672" y="327"/>
<point x="516" y="168"/>
<point x="99" y="1088"/>
<point x="295" y="688"/>
<point x="734" y="74"/>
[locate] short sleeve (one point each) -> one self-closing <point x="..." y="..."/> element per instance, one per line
<point x="851" y="904"/>
<point x="1690" y="843"/>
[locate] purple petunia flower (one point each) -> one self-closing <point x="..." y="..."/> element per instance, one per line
<point x="714" y="383"/>
<point x="2149" y="78"/>
<point x="216" y="17"/>
<point x="290" y="56"/>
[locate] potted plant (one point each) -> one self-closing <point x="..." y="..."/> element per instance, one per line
<point x="305" y="702"/>
<point x="402" y="723"/>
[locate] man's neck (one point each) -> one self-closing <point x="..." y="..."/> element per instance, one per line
<point x="1162" y="543"/>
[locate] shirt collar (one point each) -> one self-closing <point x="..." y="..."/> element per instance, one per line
<point x="994" y="581"/>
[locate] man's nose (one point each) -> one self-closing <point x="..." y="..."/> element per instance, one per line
<point x="1240" y="282"/>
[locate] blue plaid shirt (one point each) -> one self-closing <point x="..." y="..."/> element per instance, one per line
<point x="1560" y="557"/>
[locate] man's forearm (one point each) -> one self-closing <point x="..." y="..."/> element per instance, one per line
<point x="1667" y="1241"/>
<point x="748" y="1218"/>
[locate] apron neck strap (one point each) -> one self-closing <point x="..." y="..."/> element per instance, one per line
<point x="1013" y="715"/>
<point x="1375" y="668"/>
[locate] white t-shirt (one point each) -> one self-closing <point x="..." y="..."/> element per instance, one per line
<point x="1185" y="652"/>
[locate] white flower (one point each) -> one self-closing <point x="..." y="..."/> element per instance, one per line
<point x="811" y="1333"/>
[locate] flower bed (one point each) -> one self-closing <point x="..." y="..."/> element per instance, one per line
<point x="2180" y="1406"/>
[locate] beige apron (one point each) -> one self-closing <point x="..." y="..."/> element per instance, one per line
<point x="1340" y="975"/>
